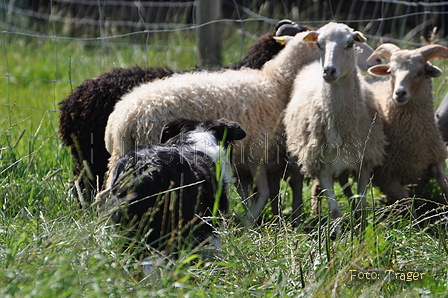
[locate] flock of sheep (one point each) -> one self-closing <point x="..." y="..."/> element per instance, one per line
<point x="305" y="103"/>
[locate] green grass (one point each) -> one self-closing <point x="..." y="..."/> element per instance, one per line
<point x="51" y="248"/>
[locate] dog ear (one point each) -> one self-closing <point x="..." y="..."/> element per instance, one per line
<point x="234" y="130"/>
<point x="168" y="131"/>
<point x="171" y="129"/>
<point x="177" y="127"/>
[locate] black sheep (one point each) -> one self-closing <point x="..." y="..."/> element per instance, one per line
<point x="84" y="113"/>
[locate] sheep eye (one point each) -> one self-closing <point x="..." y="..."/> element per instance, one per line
<point x="350" y="44"/>
<point x="419" y="73"/>
<point x="318" y="44"/>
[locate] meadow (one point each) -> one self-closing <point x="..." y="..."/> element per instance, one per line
<point x="49" y="247"/>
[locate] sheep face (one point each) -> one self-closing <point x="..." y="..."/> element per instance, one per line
<point x="406" y="78"/>
<point x="336" y="42"/>
<point x="408" y="70"/>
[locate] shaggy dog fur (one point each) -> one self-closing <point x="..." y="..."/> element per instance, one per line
<point x="161" y="190"/>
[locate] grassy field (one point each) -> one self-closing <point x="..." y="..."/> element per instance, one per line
<point x="51" y="248"/>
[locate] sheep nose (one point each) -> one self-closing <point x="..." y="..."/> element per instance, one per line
<point x="329" y="71"/>
<point x="400" y="93"/>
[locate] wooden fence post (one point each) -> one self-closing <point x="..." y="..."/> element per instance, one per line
<point x="209" y="36"/>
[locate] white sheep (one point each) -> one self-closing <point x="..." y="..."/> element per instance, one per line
<point x="363" y="52"/>
<point x="332" y="122"/>
<point x="254" y="98"/>
<point x="416" y="149"/>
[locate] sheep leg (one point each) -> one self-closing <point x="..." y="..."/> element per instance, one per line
<point x="363" y="183"/>
<point x="346" y="187"/>
<point x="296" y="183"/>
<point x="245" y="188"/>
<point x="418" y="190"/>
<point x="438" y="172"/>
<point x="316" y="190"/>
<point x="394" y="191"/>
<point x="274" y="189"/>
<point x="261" y="181"/>
<point x="326" y="182"/>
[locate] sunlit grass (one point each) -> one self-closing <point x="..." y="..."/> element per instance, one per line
<point x="51" y="248"/>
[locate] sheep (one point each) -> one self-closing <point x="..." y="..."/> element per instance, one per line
<point x="84" y="112"/>
<point x="332" y="123"/>
<point x="159" y="191"/>
<point x="363" y="52"/>
<point x="83" y="117"/>
<point x="415" y="148"/>
<point x="254" y="98"/>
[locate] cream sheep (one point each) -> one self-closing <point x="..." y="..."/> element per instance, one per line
<point x="416" y="149"/>
<point x="331" y="122"/>
<point x="254" y="98"/>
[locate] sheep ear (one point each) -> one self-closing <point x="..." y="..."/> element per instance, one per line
<point x="311" y="36"/>
<point x="282" y="23"/>
<point x="432" y="71"/>
<point x="359" y="37"/>
<point x="379" y="70"/>
<point x="283" y="39"/>
<point x="290" y="29"/>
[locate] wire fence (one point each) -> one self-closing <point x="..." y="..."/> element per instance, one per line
<point x="103" y="18"/>
<point x="112" y="24"/>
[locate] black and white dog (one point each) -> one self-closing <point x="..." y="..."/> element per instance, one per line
<point x="159" y="191"/>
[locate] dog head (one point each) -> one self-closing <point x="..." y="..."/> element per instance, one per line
<point x="175" y="132"/>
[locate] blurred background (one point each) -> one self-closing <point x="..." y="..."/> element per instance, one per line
<point x="83" y="18"/>
<point x="112" y="23"/>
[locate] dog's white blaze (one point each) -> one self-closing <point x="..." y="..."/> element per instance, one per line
<point x="205" y="142"/>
